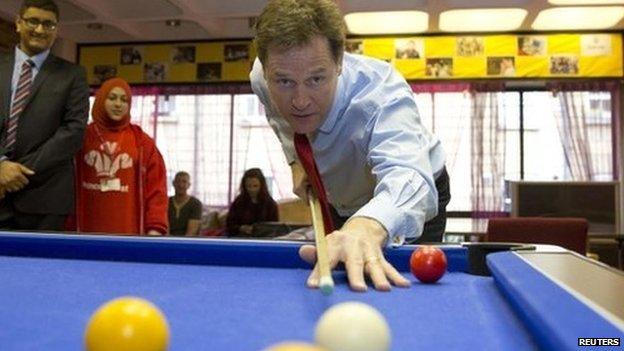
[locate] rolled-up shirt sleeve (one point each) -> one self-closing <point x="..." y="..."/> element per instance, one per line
<point x="405" y="196"/>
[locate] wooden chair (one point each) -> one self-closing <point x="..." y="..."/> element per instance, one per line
<point x="570" y="233"/>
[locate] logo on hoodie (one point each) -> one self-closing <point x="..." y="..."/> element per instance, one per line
<point x="107" y="162"/>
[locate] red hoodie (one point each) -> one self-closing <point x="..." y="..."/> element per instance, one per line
<point x="121" y="177"/>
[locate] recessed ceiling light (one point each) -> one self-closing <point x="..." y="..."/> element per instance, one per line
<point x="586" y="2"/>
<point x="173" y="22"/>
<point x="578" y="18"/>
<point x="482" y="20"/>
<point x="95" y="26"/>
<point x="389" y="22"/>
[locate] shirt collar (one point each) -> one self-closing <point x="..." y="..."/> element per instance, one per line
<point x="38" y="59"/>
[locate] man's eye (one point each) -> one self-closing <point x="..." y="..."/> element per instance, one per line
<point x="317" y="80"/>
<point x="284" y="82"/>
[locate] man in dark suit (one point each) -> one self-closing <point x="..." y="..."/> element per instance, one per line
<point x="43" y="111"/>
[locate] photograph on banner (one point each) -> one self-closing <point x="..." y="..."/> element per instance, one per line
<point x="596" y="45"/>
<point x="410" y="48"/>
<point x="441" y="67"/>
<point x="155" y="72"/>
<point x="183" y="54"/>
<point x="532" y="45"/>
<point x="469" y="46"/>
<point x="354" y="47"/>
<point x="503" y="66"/>
<point x="131" y="55"/>
<point x="236" y="52"/>
<point x="101" y="73"/>
<point x="209" y="71"/>
<point x="564" y="64"/>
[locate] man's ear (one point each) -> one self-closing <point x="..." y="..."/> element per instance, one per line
<point x="17" y="27"/>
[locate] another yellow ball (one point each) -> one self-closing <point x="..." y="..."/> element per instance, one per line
<point x="127" y="324"/>
<point x="294" y="346"/>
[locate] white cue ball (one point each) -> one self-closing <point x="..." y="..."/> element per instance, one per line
<point x="353" y="326"/>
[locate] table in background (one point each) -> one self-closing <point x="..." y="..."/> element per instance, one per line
<point x="475" y="230"/>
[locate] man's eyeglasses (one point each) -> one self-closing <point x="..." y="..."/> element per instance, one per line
<point x="33" y="23"/>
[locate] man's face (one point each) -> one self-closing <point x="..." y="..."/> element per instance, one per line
<point x="37" y="29"/>
<point x="302" y="83"/>
<point x="181" y="184"/>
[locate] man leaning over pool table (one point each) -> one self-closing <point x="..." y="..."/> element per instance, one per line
<point x="383" y="172"/>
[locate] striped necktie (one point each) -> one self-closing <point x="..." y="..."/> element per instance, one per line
<point x="306" y="156"/>
<point x="24" y="86"/>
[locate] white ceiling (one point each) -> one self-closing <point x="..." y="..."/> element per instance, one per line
<point x="144" y="20"/>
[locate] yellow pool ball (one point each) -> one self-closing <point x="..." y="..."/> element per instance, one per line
<point x="127" y="324"/>
<point x="294" y="346"/>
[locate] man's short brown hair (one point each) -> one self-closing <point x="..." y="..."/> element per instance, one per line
<point x="292" y="23"/>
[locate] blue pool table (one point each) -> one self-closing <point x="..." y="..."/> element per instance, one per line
<point x="220" y="294"/>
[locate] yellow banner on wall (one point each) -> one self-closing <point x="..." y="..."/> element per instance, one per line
<point x="169" y="63"/>
<point x="431" y="57"/>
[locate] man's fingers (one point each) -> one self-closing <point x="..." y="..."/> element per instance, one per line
<point x="377" y="275"/>
<point x="314" y="278"/>
<point x="26" y="170"/>
<point x="13" y="187"/>
<point x="360" y="259"/>
<point x="394" y="276"/>
<point x="21" y="179"/>
<point x="373" y="267"/>
<point x="355" y="273"/>
<point x="308" y="254"/>
<point x="381" y="272"/>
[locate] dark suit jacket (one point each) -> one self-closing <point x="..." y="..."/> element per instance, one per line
<point x="49" y="133"/>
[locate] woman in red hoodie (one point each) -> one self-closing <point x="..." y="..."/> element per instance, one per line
<point x="121" y="182"/>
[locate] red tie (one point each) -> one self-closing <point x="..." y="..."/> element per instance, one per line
<point x="304" y="151"/>
<point x="24" y="85"/>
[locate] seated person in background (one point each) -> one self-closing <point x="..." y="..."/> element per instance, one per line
<point x="185" y="211"/>
<point x="253" y="205"/>
<point x="121" y="184"/>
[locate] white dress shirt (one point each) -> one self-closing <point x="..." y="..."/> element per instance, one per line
<point x="375" y="157"/>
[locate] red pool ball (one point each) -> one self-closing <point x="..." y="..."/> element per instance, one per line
<point x="428" y="263"/>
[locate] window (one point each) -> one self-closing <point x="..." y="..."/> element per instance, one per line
<point x="216" y="137"/>
<point x="549" y="133"/>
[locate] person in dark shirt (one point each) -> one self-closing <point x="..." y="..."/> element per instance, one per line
<point x="254" y="204"/>
<point x="185" y="211"/>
